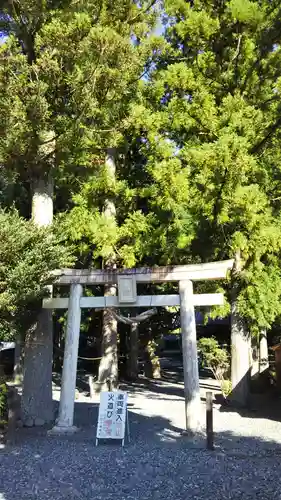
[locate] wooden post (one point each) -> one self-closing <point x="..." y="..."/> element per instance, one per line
<point x="68" y="386"/>
<point x="190" y="360"/>
<point x="209" y="420"/>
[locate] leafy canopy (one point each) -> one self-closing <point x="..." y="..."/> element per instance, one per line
<point x="214" y="100"/>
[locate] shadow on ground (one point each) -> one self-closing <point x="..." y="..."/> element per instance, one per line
<point x="260" y="406"/>
<point x="164" y="391"/>
<point x="159" y="463"/>
<point x="156" y="430"/>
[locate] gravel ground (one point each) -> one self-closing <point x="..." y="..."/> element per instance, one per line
<point x="158" y="463"/>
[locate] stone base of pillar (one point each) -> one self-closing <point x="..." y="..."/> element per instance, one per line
<point x="60" y="429"/>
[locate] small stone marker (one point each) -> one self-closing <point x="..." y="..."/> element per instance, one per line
<point x="113" y="416"/>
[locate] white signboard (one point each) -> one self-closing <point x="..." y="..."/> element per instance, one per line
<point x="112" y="415"/>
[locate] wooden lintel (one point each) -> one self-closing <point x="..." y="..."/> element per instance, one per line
<point x="204" y="299"/>
<point x="195" y="272"/>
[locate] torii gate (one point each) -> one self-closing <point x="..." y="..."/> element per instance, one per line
<point x="127" y="280"/>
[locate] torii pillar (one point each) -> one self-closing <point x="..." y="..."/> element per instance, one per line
<point x="68" y="384"/>
<point x="190" y="359"/>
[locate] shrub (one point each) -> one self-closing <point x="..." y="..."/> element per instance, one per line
<point x="28" y="255"/>
<point x="216" y="359"/>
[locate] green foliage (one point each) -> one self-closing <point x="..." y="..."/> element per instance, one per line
<point x="213" y="105"/>
<point x="216" y="359"/>
<point x="226" y="387"/>
<point x="68" y="69"/>
<point x="197" y="140"/>
<point x="213" y="356"/>
<point x="27" y="257"/>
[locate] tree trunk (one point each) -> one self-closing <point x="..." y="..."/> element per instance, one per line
<point x="152" y="363"/>
<point x="19" y="361"/>
<point x="240" y="349"/>
<point x="13" y="404"/>
<point x="42" y="202"/>
<point x="263" y="352"/>
<point x="108" y="368"/>
<point x="133" y="369"/>
<point x="37" y="405"/>
<point x="254" y="359"/>
<point x="2" y="373"/>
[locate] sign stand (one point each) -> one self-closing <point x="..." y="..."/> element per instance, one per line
<point x="127" y="428"/>
<point x="113" y="420"/>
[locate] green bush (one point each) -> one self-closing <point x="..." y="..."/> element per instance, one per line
<point x="28" y="255"/>
<point x="216" y="359"/>
<point x="226" y="387"/>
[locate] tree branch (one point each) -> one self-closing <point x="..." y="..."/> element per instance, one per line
<point x="270" y="131"/>
<point x="143" y="11"/>
<point x="216" y="205"/>
<point x="238" y="49"/>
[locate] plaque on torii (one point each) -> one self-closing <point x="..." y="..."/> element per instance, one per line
<point x="127" y="289"/>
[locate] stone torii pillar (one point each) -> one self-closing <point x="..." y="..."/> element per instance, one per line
<point x="68" y="385"/>
<point x="190" y="359"/>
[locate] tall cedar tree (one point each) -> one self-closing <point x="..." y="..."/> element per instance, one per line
<point x="214" y="102"/>
<point x="68" y="71"/>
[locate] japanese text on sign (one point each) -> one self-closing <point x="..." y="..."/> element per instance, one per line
<point x="112" y="415"/>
